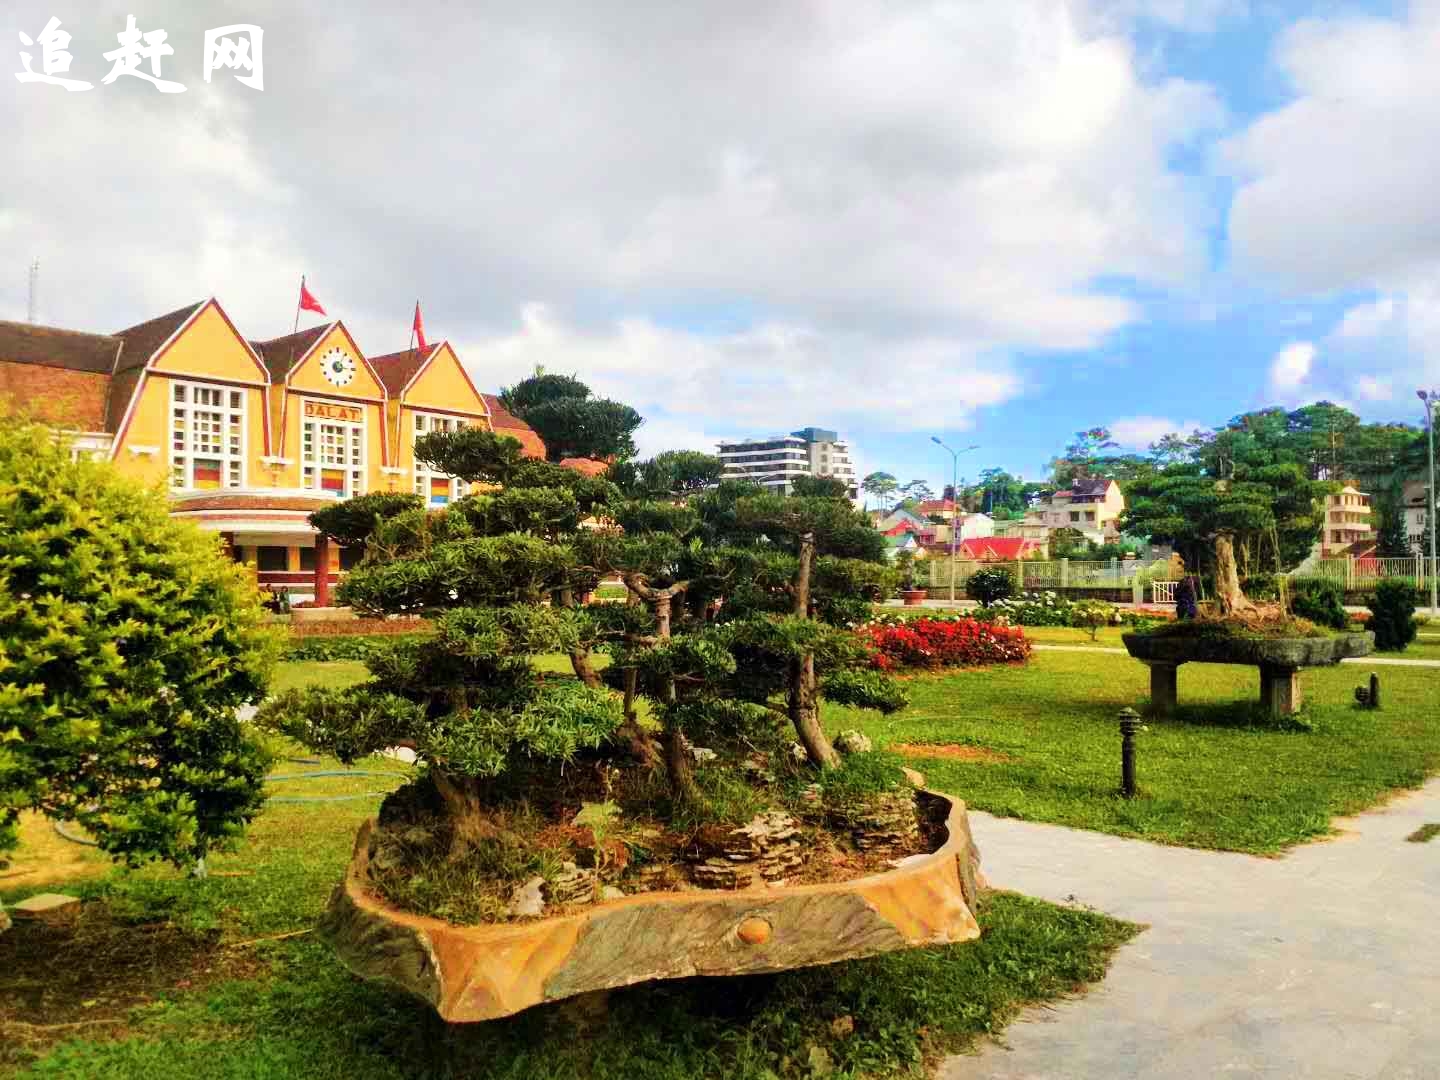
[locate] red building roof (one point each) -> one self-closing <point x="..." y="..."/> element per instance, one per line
<point x="995" y="548"/>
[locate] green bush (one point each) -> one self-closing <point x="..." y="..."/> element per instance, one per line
<point x="127" y="641"/>
<point x="1261" y="587"/>
<point x="1092" y="615"/>
<point x="1320" y="600"/>
<point x="1392" y="614"/>
<point x="991" y="584"/>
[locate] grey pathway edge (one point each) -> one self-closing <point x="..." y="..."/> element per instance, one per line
<point x="1324" y="964"/>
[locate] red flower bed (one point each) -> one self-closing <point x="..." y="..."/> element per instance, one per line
<point x="934" y="643"/>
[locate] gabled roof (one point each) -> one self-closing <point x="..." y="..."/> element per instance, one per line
<point x="143" y="340"/>
<point x="398" y="368"/>
<point x="281" y="354"/>
<point x="49" y="346"/>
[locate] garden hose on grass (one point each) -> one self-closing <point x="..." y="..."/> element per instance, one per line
<point x="65" y="834"/>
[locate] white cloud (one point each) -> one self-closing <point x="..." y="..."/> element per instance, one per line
<point x="894" y="196"/>
<point x="1367" y="320"/>
<point x="1374" y="388"/>
<point x="1291" y="366"/>
<point x="758" y="381"/>
<point x="1338" y="186"/>
<point x="1138" y="432"/>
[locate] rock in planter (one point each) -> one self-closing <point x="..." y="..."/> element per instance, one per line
<point x="853" y="742"/>
<point x="882" y="824"/>
<point x="469" y="973"/>
<point x="528" y="900"/>
<point x="573" y="886"/>
<point x="769" y="845"/>
<point x="48" y="907"/>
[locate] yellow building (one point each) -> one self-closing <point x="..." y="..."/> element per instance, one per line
<point x="1092" y="507"/>
<point x="251" y="436"/>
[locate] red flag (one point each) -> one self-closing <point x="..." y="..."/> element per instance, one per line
<point x="418" y="327"/>
<point x="307" y="301"/>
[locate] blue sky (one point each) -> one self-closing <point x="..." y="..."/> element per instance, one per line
<point x="999" y="223"/>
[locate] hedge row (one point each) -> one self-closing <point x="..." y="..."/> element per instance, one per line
<point x="343" y="646"/>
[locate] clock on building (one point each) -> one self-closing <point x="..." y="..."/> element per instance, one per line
<point x="338" y="366"/>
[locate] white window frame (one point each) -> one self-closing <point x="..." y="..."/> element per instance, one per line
<point x="426" y="423"/>
<point x="234" y="455"/>
<point x="312" y="467"/>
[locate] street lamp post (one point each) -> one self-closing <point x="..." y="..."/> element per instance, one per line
<point x="1430" y="400"/>
<point x="954" y="504"/>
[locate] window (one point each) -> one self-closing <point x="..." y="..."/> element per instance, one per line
<point x="1074" y="515"/>
<point x="332" y="451"/>
<point x="207" y="436"/>
<point x="436" y="488"/>
<point x="271" y="559"/>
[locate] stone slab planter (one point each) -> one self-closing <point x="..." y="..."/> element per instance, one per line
<point x="914" y="597"/>
<point x="469" y="973"/>
<point x="1280" y="661"/>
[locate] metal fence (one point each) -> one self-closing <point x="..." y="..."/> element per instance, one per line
<point x="1364" y="573"/>
<point x="1039" y="575"/>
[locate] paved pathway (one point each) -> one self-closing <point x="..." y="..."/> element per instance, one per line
<point x="1370" y="660"/>
<point x="1322" y="965"/>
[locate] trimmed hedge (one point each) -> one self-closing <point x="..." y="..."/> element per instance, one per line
<point x="344" y="647"/>
<point x="361" y="627"/>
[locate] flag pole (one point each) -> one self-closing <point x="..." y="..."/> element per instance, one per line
<point x="298" y="301"/>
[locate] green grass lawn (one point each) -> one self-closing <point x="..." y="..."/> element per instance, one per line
<point x="1209" y="778"/>
<point x="170" y="977"/>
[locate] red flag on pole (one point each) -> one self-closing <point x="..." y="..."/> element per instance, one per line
<point x="418" y="327"/>
<point x="307" y="301"/>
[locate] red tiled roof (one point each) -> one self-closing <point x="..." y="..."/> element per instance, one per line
<point x="55" y="395"/>
<point x="588" y="466"/>
<point x="930" y="506"/>
<point x="280" y="354"/>
<point x="49" y="346"/>
<point x="507" y="423"/>
<point x="398" y="368"/>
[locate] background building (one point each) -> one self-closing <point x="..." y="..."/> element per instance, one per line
<point x="1347" y="529"/>
<point x="1093" y="507"/>
<point x="250" y="437"/>
<point x="777" y="460"/>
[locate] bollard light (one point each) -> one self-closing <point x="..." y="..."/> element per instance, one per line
<point x="1129" y="725"/>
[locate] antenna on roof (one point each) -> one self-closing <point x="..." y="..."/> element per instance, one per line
<point x="32" y="309"/>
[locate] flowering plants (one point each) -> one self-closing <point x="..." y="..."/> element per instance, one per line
<point x="942" y="642"/>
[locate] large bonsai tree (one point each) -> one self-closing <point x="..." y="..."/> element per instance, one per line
<point x="1238" y="501"/>
<point x="572" y="422"/>
<point x="737" y="599"/>
<point x="127" y="642"/>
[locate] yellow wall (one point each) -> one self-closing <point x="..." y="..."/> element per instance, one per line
<point x="309" y="377"/>
<point x="150" y="426"/>
<point x="442" y="387"/>
<point x="208" y="347"/>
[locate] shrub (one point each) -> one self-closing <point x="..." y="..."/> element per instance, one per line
<point x="128" y="641"/>
<point x="1261" y="587"/>
<point x="1320" y="600"/>
<point x="1092" y="615"/>
<point x="1032" y="609"/>
<point x="1392" y="614"/>
<point x="991" y="584"/>
<point x="934" y="643"/>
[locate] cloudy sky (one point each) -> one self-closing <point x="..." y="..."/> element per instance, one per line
<point x="995" y="222"/>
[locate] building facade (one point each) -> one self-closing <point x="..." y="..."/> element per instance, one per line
<point x="1413" y="499"/>
<point x="776" y="461"/>
<point x="1348" y="529"/>
<point x="250" y="437"/>
<point x="1093" y="507"/>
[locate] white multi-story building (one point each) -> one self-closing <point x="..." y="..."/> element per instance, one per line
<point x="777" y="460"/>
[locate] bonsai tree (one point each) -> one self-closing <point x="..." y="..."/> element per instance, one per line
<point x="905" y="563"/>
<point x="570" y="421"/>
<point x="737" y="598"/>
<point x="990" y="584"/>
<point x="129" y="641"/>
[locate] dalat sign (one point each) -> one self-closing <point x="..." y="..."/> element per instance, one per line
<point x="321" y="411"/>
